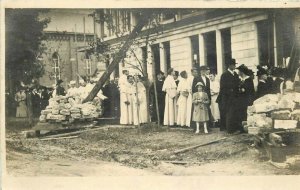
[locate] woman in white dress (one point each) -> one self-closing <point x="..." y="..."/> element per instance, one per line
<point x="184" y="91"/>
<point x="124" y="101"/>
<point x="142" y="101"/>
<point x="189" y="105"/>
<point x="170" y="88"/>
<point x="214" y="89"/>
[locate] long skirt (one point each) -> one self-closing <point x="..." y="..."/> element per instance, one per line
<point x="21" y="110"/>
<point x="215" y="108"/>
<point x="143" y="114"/>
<point x="182" y="110"/>
<point x="169" y="114"/>
<point x="125" y="110"/>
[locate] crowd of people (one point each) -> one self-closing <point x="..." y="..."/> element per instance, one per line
<point x="39" y="95"/>
<point x="201" y="100"/>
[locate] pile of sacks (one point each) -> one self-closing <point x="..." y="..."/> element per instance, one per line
<point x="274" y="106"/>
<point x="67" y="109"/>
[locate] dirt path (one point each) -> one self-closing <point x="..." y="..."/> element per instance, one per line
<point x="115" y="151"/>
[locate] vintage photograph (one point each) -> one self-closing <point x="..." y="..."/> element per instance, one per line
<point x="152" y="92"/>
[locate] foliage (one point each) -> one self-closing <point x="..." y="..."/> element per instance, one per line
<point x="24" y="36"/>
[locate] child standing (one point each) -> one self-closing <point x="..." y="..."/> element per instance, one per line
<point x="201" y="103"/>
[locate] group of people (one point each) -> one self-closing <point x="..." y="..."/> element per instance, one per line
<point x="39" y="96"/>
<point x="133" y="99"/>
<point x="201" y="100"/>
<point x="184" y="99"/>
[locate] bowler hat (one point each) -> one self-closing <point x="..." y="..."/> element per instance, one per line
<point x="232" y="62"/>
<point x="203" y="68"/>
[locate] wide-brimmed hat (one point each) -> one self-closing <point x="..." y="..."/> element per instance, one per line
<point x="199" y="84"/>
<point x="261" y="71"/>
<point x="243" y="68"/>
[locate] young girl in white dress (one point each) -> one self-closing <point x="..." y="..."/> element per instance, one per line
<point x="201" y="103"/>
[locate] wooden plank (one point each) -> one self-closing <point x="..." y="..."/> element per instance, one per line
<point x="89" y="130"/>
<point x="199" y="145"/>
<point x="71" y="137"/>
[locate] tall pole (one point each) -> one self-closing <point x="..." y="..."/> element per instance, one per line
<point x="275" y="41"/>
<point x="84" y="37"/>
<point x="76" y="53"/>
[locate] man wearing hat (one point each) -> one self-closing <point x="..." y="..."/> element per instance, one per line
<point x="245" y="95"/>
<point x="263" y="86"/>
<point x="160" y="98"/>
<point x="60" y="91"/>
<point x="229" y="84"/>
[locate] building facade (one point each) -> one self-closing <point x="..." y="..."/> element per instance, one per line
<point x="181" y="38"/>
<point x="212" y="37"/>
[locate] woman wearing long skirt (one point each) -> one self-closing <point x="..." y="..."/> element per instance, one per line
<point x="183" y="90"/>
<point x="142" y="100"/>
<point x="170" y="88"/>
<point x="20" y="98"/>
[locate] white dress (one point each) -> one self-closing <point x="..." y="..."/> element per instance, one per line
<point x="214" y="106"/>
<point x="143" y="114"/>
<point x="133" y="107"/>
<point x="189" y="104"/>
<point x="123" y="86"/>
<point x="169" y="87"/>
<point x="184" y="91"/>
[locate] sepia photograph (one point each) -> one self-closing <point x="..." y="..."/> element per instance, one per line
<point x="152" y="92"/>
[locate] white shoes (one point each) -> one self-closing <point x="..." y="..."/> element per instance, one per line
<point x="197" y="131"/>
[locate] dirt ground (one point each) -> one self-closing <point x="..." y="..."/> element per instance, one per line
<point x="115" y="151"/>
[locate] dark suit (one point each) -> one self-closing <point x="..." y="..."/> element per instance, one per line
<point x="263" y="88"/>
<point x="229" y="85"/>
<point x="244" y="99"/>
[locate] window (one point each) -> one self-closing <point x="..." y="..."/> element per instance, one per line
<point x="56" y="65"/>
<point x="88" y="65"/>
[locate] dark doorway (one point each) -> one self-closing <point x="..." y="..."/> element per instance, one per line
<point x="144" y="60"/>
<point x="167" y="54"/>
<point x="156" y="57"/>
<point x="265" y="42"/>
<point x="195" y="49"/>
<point x="226" y="38"/>
<point x="211" y="51"/>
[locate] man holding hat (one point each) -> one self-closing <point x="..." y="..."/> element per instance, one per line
<point x="229" y="85"/>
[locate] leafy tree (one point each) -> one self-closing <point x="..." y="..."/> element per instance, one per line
<point x="23" y="42"/>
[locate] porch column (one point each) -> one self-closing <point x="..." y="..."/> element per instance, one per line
<point x="162" y="55"/>
<point x="202" y="50"/>
<point x="150" y="61"/>
<point x="220" y="52"/>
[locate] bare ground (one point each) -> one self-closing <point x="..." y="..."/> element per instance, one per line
<point x="123" y="151"/>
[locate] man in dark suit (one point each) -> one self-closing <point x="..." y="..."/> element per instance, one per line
<point x="229" y="85"/>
